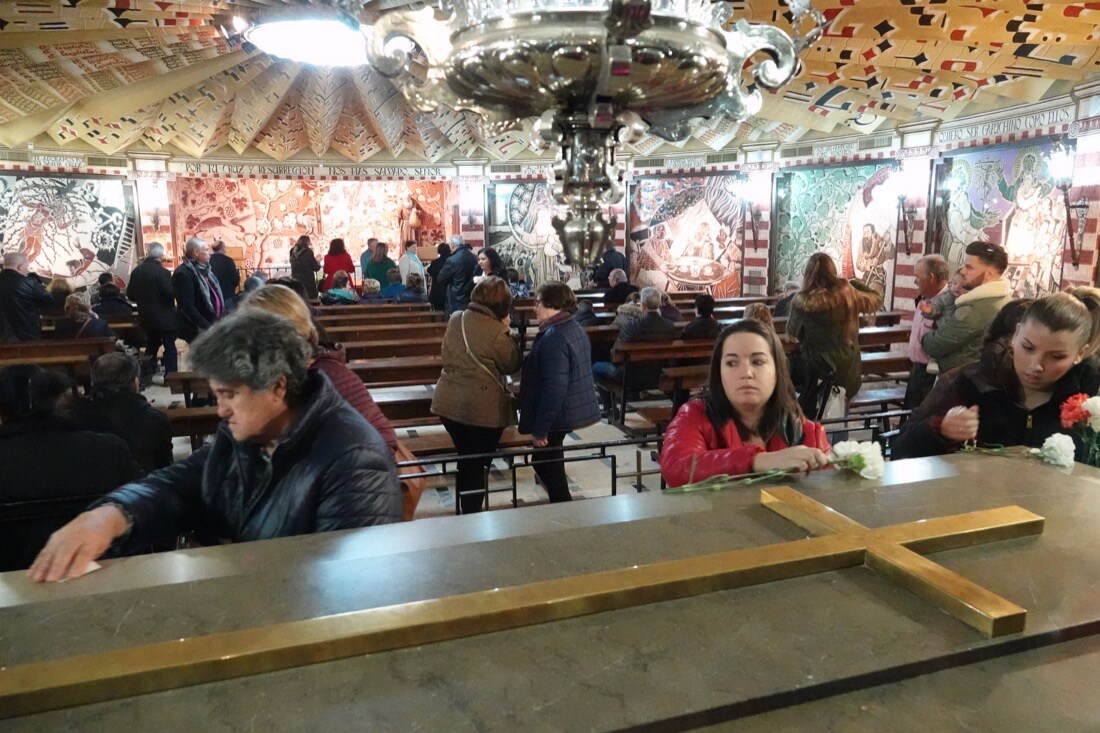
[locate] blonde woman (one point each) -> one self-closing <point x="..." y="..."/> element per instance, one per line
<point x="79" y="322"/>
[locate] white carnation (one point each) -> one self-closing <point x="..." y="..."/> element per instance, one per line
<point x="1092" y="406"/>
<point x="863" y="458"/>
<point x="1057" y="450"/>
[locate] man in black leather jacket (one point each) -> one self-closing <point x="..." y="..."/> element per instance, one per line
<point x="290" y="457"/>
<point x="22" y="296"/>
<point x="456" y="276"/>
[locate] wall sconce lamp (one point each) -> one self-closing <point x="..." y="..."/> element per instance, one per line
<point x="1080" y="209"/>
<point x="1060" y="165"/>
<point x="743" y="188"/>
<point x="907" y="221"/>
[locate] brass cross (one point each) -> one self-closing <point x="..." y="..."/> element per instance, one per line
<point x="841" y="543"/>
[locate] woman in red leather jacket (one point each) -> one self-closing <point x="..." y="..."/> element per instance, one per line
<point x="748" y="420"/>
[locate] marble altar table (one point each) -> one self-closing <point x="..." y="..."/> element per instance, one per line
<point x="811" y="648"/>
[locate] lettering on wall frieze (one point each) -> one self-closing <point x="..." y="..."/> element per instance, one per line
<point x="836" y="150"/>
<point x="291" y="170"/>
<point x="1034" y="121"/>
<point x="924" y="151"/>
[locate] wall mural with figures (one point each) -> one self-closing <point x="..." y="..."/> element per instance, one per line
<point x="687" y="234"/>
<point x="74" y="228"/>
<point x="1006" y="196"/>
<point x="520" y="230"/>
<point x="266" y="217"/>
<point x="850" y="213"/>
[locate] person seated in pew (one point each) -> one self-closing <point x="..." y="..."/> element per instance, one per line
<point x="704" y="325"/>
<point x="629" y="311"/>
<point x="783" y="305"/>
<point x="93" y="294"/>
<point x="758" y="312"/>
<point x="669" y="311"/>
<point x="59" y="289"/>
<point x="45" y="457"/>
<point x="327" y="358"/>
<point x="414" y="290"/>
<point x="585" y="315"/>
<point x="620" y="289"/>
<point x="340" y="293"/>
<point x="748" y="419"/>
<point x="80" y="322"/>
<point x="651" y="327"/>
<point x="395" y="287"/>
<point x="517" y="285"/>
<point x="471" y="399"/>
<point x="1013" y="395"/>
<point x="557" y="393"/>
<point x="371" y="292"/>
<point x="117" y="408"/>
<point x="111" y="303"/>
<point x="291" y="457"/>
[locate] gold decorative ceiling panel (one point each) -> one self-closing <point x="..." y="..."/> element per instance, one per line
<point x="119" y="75"/>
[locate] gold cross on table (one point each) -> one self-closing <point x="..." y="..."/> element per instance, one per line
<point x="842" y="543"/>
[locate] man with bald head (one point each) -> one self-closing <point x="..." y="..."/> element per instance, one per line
<point x="22" y="297"/>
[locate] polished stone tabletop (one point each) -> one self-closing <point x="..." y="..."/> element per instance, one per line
<point x="710" y="657"/>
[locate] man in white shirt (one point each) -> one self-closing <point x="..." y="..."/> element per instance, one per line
<point x="931" y="274"/>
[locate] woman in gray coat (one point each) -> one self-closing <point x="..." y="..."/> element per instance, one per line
<point x="471" y="397"/>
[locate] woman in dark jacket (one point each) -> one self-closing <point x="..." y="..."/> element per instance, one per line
<point x="825" y="320"/>
<point x="304" y="266"/>
<point x="558" y="393"/>
<point x="44" y="458"/>
<point x="437" y="292"/>
<point x="79" y="322"/>
<point x="1014" y="395"/>
<point x="748" y="420"/>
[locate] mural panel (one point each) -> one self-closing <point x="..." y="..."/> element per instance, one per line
<point x="520" y="230"/>
<point x="359" y="210"/>
<point x="1006" y="196"/>
<point x="687" y="234"/>
<point x="266" y="217"/>
<point x="850" y="213"/>
<point x="75" y="228"/>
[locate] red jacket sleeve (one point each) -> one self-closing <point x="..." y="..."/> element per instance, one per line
<point x="691" y="451"/>
<point x="813" y="436"/>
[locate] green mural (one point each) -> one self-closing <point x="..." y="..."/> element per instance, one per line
<point x="814" y="211"/>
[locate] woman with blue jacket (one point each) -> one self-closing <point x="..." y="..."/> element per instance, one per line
<point x="557" y="391"/>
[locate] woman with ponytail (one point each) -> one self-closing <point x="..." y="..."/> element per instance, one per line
<point x="1014" y="395"/>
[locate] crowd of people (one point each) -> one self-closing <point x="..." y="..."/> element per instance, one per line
<point x="303" y="447"/>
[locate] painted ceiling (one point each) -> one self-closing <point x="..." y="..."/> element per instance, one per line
<point x="119" y="75"/>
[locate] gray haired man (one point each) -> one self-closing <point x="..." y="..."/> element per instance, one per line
<point x="290" y="457"/>
<point x="150" y="287"/>
<point x="650" y="327"/>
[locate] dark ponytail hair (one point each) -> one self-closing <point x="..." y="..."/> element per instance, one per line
<point x="28" y="391"/>
<point x="782" y="414"/>
<point x="1076" y="310"/>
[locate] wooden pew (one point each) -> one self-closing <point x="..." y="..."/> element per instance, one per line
<point x="330" y="320"/>
<point x="371" y="308"/>
<point x="398" y="371"/>
<point x="28" y="351"/>
<point x="437" y="444"/>
<point x="381" y="349"/>
<point x="126" y="329"/>
<point x="387" y="332"/>
<point x="403" y="408"/>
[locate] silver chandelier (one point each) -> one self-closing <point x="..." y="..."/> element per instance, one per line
<point x="593" y="73"/>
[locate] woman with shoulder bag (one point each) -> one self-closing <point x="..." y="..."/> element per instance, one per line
<point x="558" y="393"/>
<point x="471" y="397"/>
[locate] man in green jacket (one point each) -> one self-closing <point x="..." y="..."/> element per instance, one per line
<point x="958" y="336"/>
